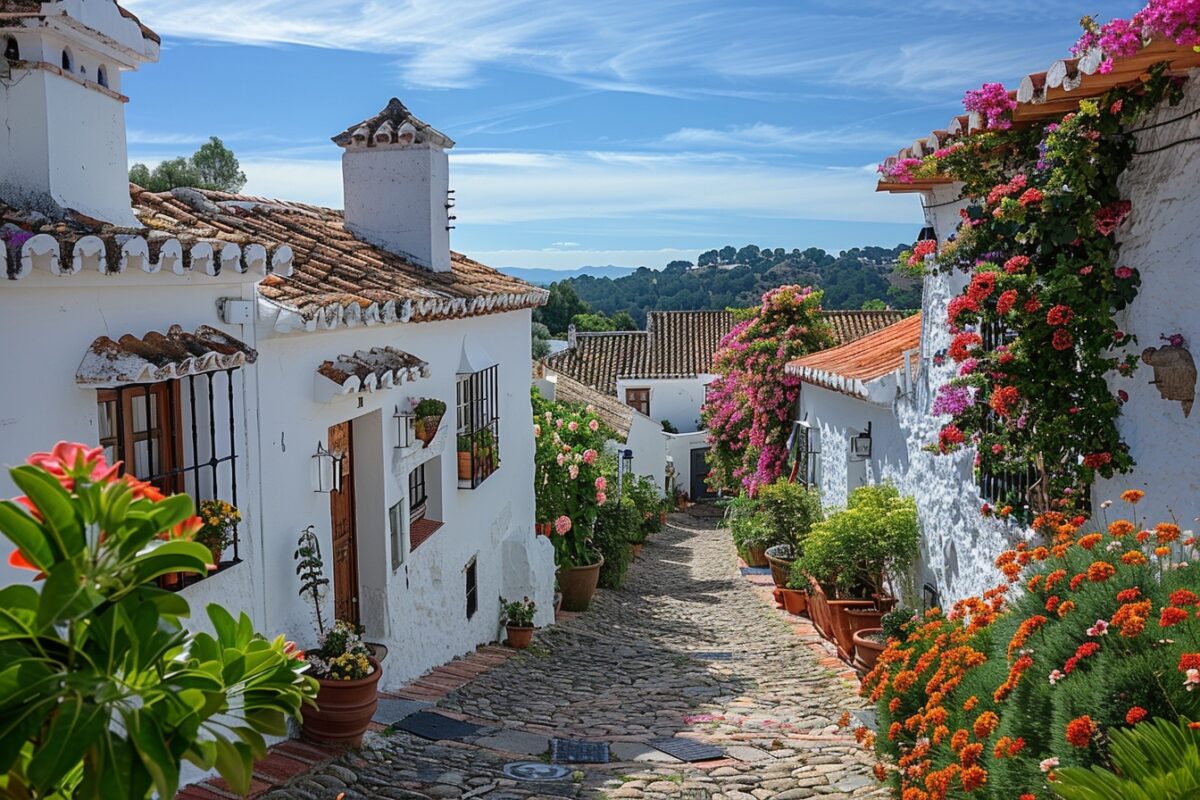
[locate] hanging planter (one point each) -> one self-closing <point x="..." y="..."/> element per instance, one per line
<point x="428" y="412"/>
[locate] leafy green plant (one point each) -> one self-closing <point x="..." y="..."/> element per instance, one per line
<point x="103" y="693"/>
<point x="615" y="526"/>
<point x="464" y="444"/>
<point x="856" y="550"/>
<point x="310" y="568"/>
<point x="669" y="427"/>
<point x="894" y="623"/>
<point x="430" y="407"/>
<point x="791" y="510"/>
<point x="1156" y="760"/>
<point x="517" y="613"/>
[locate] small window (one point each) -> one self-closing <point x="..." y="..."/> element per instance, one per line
<point x="12" y="50"/>
<point x="638" y="399"/>
<point x="102" y="76"/>
<point x="418" y="497"/>
<point x="68" y="60"/>
<point x="472" y="589"/>
<point x="478" y="427"/>
<point x="395" y="526"/>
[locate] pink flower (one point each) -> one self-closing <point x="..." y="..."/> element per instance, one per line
<point x="573" y="471"/>
<point x="1192" y="680"/>
<point x="1048" y="764"/>
<point x="1099" y="629"/>
<point x="1056" y="676"/>
<point x="601" y="484"/>
<point x="589" y="456"/>
<point x="573" y="426"/>
<point x="601" y="498"/>
<point x="560" y="458"/>
<point x="69" y="460"/>
<point x="1123" y="273"/>
<point x="537" y="430"/>
<point x="562" y="525"/>
<point x="593" y="426"/>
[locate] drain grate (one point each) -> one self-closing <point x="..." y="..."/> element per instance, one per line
<point x="574" y="751"/>
<point x="436" y="727"/>
<point x="715" y="655"/>
<point x="687" y="749"/>
<point x="535" y="771"/>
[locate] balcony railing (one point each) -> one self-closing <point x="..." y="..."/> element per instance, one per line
<point x="478" y="455"/>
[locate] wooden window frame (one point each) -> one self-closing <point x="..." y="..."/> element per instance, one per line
<point x="638" y="400"/>
<point x="168" y="432"/>
<point x="418" y="493"/>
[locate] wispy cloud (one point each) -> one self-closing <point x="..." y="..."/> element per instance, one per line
<point x="565" y="244"/>
<point x="766" y="136"/>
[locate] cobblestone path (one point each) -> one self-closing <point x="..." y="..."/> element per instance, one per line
<point x="689" y="648"/>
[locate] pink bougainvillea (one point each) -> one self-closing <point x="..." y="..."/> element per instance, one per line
<point x="750" y="405"/>
<point x="991" y="102"/>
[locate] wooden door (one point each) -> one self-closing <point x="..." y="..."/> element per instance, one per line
<point x="699" y="487"/>
<point x="345" y="540"/>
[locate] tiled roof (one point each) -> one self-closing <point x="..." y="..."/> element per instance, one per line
<point x="678" y="344"/>
<point x="849" y="367"/>
<point x="1043" y="96"/>
<point x="368" y="370"/>
<point x="318" y="275"/>
<point x="34" y="8"/>
<point x="394" y="125"/>
<point x="160" y="357"/>
<point x="611" y="411"/>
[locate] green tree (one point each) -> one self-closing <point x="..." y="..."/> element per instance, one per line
<point x="540" y="340"/>
<point x="213" y="166"/>
<point x="103" y="692"/>
<point x="596" y="322"/>
<point x="874" y="304"/>
<point x="561" y="307"/>
<point x="622" y="321"/>
<point x="727" y="255"/>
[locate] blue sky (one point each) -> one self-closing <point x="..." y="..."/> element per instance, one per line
<point x="612" y="131"/>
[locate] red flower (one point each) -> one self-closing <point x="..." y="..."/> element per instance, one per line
<point x="1172" y="616"/>
<point x="982" y="286"/>
<point x="1003" y="399"/>
<point x="68" y="460"/>
<point x="1030" y="197"/>
<point x="1016" y="264"/>
<point x="1032" y="305"/>
<point x="1183" y="597"/>
<point x="1097" y="460"/>
<point x="1135" y="715"/>
<point x="961" y="345"/>
<point x="949" y="437"/>
<point x="957" y="306"/>
<point x="1128" y="595"/>
<point x="1062" y="339"/>
<point x="1006" y="301"/>
<point x="1080" y="731"/>
<point x="1059" y="315"/>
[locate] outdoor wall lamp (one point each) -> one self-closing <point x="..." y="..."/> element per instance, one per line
<point x="624" y="466"/>
<point x="860" y="445"/>
<point x="404" y="427"/>
<point x="328" y="470"/>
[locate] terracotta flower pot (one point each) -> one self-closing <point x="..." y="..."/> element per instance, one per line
<point x="216" y="554"/>
<point x="886" y="603"/>
<point x="662" y="517"/>
<point x="578" y="585"/>
<point x="637" y="549"/>
<point x="343" y="709"/>
<point x="795" y="601"/>
<point x="840" y="622"/>
<point x="863" y="618"/>
<point x="818" y="609"/>
<point x="755" y="557"/>
<point x="519" y="637"/>
<point x="781" y="568"/>
<point x="425" y="428"/>
<point x="170" y="580"/>
<point x="464" y="466"/>
<point x="866" y="650"/>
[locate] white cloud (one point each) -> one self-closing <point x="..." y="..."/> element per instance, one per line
<point x="762" y="135"/>
<point x="565" y="244"/>
<point x="162" y="138"/>
<point x="563" y="259"/>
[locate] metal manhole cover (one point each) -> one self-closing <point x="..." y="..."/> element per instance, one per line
<point x="573" y="751"/>
<point x="688" y="750"/>
<point x="536" y="771"/>
<point x="436" y="727"/>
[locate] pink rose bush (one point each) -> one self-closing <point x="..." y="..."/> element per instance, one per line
<point x="749" y="406"/>
<point x="569" y="484"/>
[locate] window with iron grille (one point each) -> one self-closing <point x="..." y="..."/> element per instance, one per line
<point x="638" y="399"/>
<point x="418" y="497"/>
<point x="478" y="426"/>
<point x="180" y="436"/>
<point x="472" y="575"/>
<point x="1008" y="486"/>
<point x="804" y="454"/>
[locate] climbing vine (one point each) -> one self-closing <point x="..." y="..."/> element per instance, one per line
<point x="1034" y="336"/>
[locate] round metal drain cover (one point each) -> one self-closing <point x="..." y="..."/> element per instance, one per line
<point x="536" y="771"/>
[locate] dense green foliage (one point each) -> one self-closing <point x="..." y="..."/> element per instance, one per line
<point x="732" y="278"/>
<point x="616" y="525"/>
<point x="103" y="693"/>
<point x="1159" y="760"/>
<point x="213" y="166"/>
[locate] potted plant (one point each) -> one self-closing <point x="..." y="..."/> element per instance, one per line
<point x="219" y="519"/>
<point x="853" y="554"/>
<point x="790" y="510"/>
<point x="869" y="643"/>
<point x="464" y="457"/>
<point x="795" y="594"/>
<point x="348" y="676"/>
<point x="428" y="412"/>
<point x="517" y="617"/>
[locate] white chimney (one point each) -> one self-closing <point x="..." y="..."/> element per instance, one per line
<point x="62" y="144"/>
<point x="397" y="186"/>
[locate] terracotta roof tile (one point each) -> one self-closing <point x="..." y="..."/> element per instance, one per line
<point x="678" y="344"/>
<point x="395" y="124"/>
<point x="1047" y="95"/>
<point x="611" y="411"/>
<point x="160" y="357"/>
<point x="319" y="273"/>
<point x="847" y="367"/>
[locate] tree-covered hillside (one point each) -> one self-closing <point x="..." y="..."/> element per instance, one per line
<point x="732" y="277"/>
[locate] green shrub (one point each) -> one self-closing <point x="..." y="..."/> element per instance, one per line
<point x="791" y="511"/>
<point x="857" y="549"/>
<point x="641" y="493"/>
<point x="616" y="525"/>
<point x="1157" y="760"/>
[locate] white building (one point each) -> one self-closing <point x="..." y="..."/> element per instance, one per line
<point x="266" y="353"/>
<point x="663" y="373"/>
<point x="1159" y="238"/>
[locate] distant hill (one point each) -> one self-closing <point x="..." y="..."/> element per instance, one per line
<point x="733" y="277"/>
<point x="545" y="277"/>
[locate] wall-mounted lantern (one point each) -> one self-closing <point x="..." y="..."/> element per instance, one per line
<point x="405" y="423"/>
<point x="860" y="445"/>
<point x="329" y="470"/>
<point x="624" y="467"/>
<point x="927" y="234"/>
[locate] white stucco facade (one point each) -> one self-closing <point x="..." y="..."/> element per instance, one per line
<point x="676" y="400"/>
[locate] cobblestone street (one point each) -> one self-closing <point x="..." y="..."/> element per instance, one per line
<point x="689" y="648"/>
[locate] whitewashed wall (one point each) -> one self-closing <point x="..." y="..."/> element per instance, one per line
<point x="679" y="449"/>
<point x="676" y="400"/>
<point x="1162" y="240"/>
<point x="418" y="610"/>
<point x="51" y="321"/>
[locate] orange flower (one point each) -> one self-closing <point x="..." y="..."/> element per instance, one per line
<point x="959" y="740"/>
<point x="880" y="772"/>
<point x="970" y="754"/>
<point x="1091" y="540"/>
<point x="1172" y="616"/>
<point x="844" y="720"/>
<point x="973" y="777"/>
<point x="1162" y="552"/>
<point x="1167" y="532"/>
<point x="1132" y="495"/>
<point x="1183" y="597"/>
<point x="1100" y="571"/>
<point x="1121" y="527"/>
<point x="970" y="704"/>
<point x="1065" y="608"/>
<point x="1133" y="558"/>
<point x="1055" y="577"/>
<point x="985" y="723"/>
<point x="1080" y="731"/>
<point x="1135" y="715"/>
<point x="1131" y="594"/>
